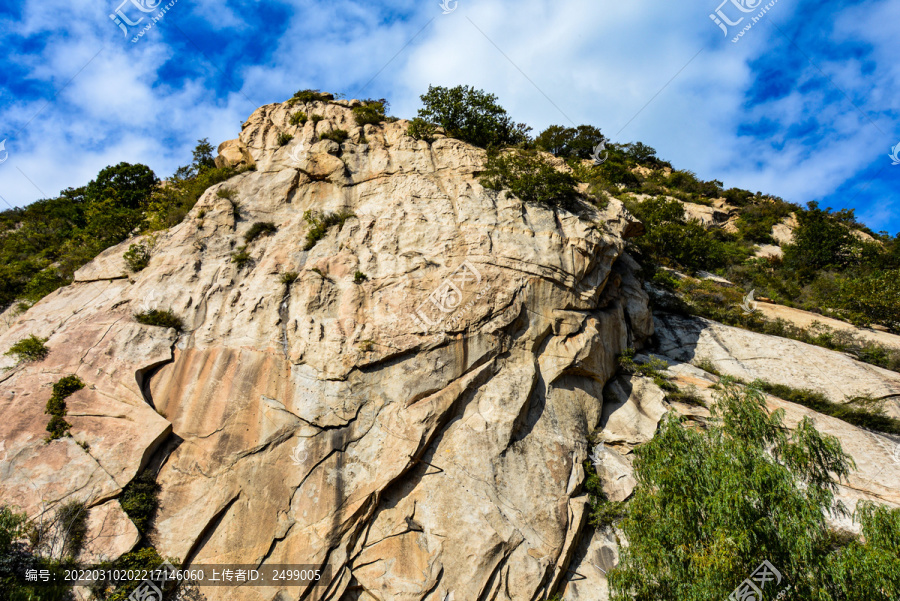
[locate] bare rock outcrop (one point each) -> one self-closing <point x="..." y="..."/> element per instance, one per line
<point x="403" y="397"/>
<point x="407" y="402"/>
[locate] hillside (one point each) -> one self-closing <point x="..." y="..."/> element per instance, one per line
<point x="407" y="361"/>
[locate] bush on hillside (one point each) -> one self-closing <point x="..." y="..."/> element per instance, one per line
<point x="820" y="241"/>
<point x="169" y="204"/>
<point x="319" y="224"/>
<point x="335" y="135"/>
<point x="299" y="118"/>
<point x="28" y="349"/>
<point x="139" y="500"/>
<point x="284" y="138"/>
<point x="471" y="115"/>
<point x="711" y="504"/>
<point x="308" y="95"/>
<point x="756" y="220"/>
<point x="370" y="112"/>
<point x="260" y="228"/>
<point x="577" y="142"/>
<point x="241" y="257"/>
<point x="672" y="240"/>
<point x="530" y="177"/>
<point x="162" y="319"/>
<point x="420" y="129"/>
<point x="137" y="257"/>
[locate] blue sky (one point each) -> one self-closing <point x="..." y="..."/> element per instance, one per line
<point x="804" y="105"/>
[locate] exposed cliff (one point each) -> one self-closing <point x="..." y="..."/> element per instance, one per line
<point x="407" y="402"/>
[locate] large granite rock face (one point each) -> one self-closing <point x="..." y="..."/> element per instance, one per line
<point x="411" y="409"/>
<point x="406" y="403"/>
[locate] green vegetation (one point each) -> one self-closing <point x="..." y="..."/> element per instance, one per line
<point x="30" y="348"/>
<point x="567" y="142"/>
<point x="370" y="112"/>
<point x="711" y="504"/>
<point x="284" y="138"/>
<point x="654" y="369"/>
<point x="146" y="558"/>
<point x="227" y="193"/>
<point x="162" y="319"/>
<point x="19" y="543"/>
<point x="42" y="245"/>
<point x="240" y="257"/>
<point x="471" y="115"/>
<point x="530" y="177"/>
<point x="299" y="118"/>
<point x="674" y="241"/>
<point x="71" y="518"/>
<point x="721" y="302"/>
<point x="756" y="220"/>
<point x="359" y="277"/>
<point x="310" y="96"/>
<point x="289" y="277"/>
<point x="420" y="129"/>
<point x="137" y="257"/>
<point x="139" y="500"/>
<point x="335" y="135"/>
<point x="863" y="412"/>
<point x="170" y="203"/>
<point x="603" y="512"/>
<point x="316" y="118"/>
<point x="260" y="228"/>
<point x="56" y="406"/>
<point x="319" y="225"/>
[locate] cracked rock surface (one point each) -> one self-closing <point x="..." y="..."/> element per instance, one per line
<point x="407" y="403"/>
<point x="420" y="431"/>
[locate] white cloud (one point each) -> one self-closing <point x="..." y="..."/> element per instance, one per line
<point x="599" y="63"/>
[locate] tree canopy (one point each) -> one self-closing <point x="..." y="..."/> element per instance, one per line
<point x="471" y="115"/>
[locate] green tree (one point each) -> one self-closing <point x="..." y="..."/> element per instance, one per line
<point x="578" y="142"/>
<point x="672" y="239"/>
<point x="203" y="155"/>
<point x="471" y="115"/>
<point x="711" y="504"/>
<point x="645" y="155"/>
<point x="527" y="175"/>
<point x="115" y="203"/>
<point x="870" y="570"/>
<point x="820" y="241"/>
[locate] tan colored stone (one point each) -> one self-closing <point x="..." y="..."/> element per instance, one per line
<point x="421" y="431"/>
<point x="748" y="356"/>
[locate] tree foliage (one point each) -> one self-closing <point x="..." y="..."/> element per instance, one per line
<point x="820" y="241"/>
<point x="471" y="115"/>
<point x="530" y="177"/>
<point x="578" y="142"/>
<point x="672" y="239"/>
<point x="712" y="504"/>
